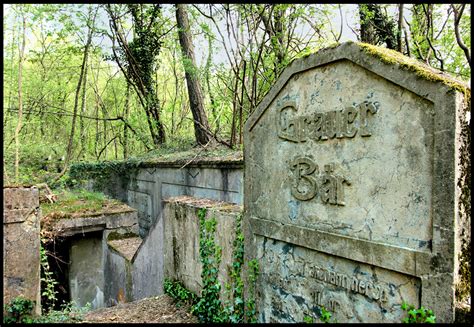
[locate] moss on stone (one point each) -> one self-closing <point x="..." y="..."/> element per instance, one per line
<point x="76" y="203"/>
<point x="463" y="288"/>
<point x="113" y="236"/>
<point x="420" y="69"/>
<point x="393" y="57"/>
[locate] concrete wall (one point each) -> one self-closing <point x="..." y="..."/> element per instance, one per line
<point x="181" y="239"/>
<point x="145" y="191"/>
<point x="86" y="271"/>
<point x="96" y="273"/>
<point x="21" y="245"/>
<point x="118" y="284"/>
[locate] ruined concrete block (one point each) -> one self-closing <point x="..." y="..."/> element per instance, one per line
<point x="20" y="198"/>
<point x="181" y="239"/>
<point x="21" y="245"/>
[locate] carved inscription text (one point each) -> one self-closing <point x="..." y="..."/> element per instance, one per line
<point x="308" y="183"/>
<point x="321" y="126"/>
<point x="373" y="291"/>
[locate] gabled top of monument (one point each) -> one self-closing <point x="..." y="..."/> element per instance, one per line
<point x="407" y="72"/>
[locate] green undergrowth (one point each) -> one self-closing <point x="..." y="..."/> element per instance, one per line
<point x="179" y="293"/>
<point x="77" y="201"/>
<point x="20" y="311"/>
<point x="421" y="315"/>
<point x="324" y="317"/>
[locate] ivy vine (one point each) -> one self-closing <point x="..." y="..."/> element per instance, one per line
<point x="209" y="307"/>
<point x="102" y="172"/>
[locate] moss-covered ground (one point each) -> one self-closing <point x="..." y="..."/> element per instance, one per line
<point x="77" y="203"/>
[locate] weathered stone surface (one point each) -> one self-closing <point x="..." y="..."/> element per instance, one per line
<point x="21" y="245"/>
<point x="181" y="239"/>
<point x="86" y="272"/>
<point x="126" y="220"/>
<point x="350" y="164"/>
<point x="97" y="274"/>
<point x="118" y="279"/>
<point x="126" y="247"/>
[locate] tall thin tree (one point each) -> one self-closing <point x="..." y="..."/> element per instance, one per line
<point x="196" y="100"/>
<point x="21" y="58"/>
<point x="70" y="146"/>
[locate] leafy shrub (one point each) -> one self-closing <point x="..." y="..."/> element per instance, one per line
<point x="209" y="307"/>
<point x="179" y="293"/>
<point x="421" y="315"/>
<point x="69" y="313"/>
<point x="19" y="310"/>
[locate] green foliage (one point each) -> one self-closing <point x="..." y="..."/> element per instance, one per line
<point x="47" y="281"/>
<point x="102" y="172"/>
<point x="325" y="315"/>
<point x="77" y="200"/>
<point x="179" y="293"/>
<point x="254" y="270"/>
<point x="308" y="319"/>
<point x="421" y="315"/>
<point x="113" y="125"/>
<point x="69" y="313"/>
<point x="209" y="307"/>
<point x="235" y="309"/>
<point x="19" y="310"/>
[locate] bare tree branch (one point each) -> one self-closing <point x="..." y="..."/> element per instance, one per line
<point x="457" y="20"/>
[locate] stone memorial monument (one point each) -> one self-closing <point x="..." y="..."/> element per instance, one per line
<point x="356" y="169"/>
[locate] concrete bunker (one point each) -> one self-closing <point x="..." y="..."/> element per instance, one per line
<point x="78" y="244"/>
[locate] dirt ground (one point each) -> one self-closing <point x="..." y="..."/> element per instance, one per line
<point x="159" y="309"/>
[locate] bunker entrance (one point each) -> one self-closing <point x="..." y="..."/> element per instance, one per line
<point x="75" y="264"/>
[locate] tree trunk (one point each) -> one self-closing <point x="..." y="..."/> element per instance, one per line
<point x="196" y="101"/>
<point x="215" y="118"/>
<point x="70" y="145"/>
<point x="125" y="129"/>
<point x="367" y="31"/>
<point x="457" y="19"/>
<point x="400" y="28"/>
<point x="83" y="112"/>
<point x="20" y="100"/>
<point x="377" y="27"/>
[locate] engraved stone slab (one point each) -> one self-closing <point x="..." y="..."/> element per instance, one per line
<point x="350" y="190"/>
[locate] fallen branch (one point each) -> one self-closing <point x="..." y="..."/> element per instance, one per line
<point x="50" y="196"/>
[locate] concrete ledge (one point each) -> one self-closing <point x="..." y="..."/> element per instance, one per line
<point x="113" y="220"/>
<point x="204" y="203"/>
<point x="126" y="247"/>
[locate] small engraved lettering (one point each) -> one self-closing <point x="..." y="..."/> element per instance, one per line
<point x="333" y="305"/>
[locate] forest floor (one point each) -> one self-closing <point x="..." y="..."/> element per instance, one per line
<point x="158" y="309"/>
